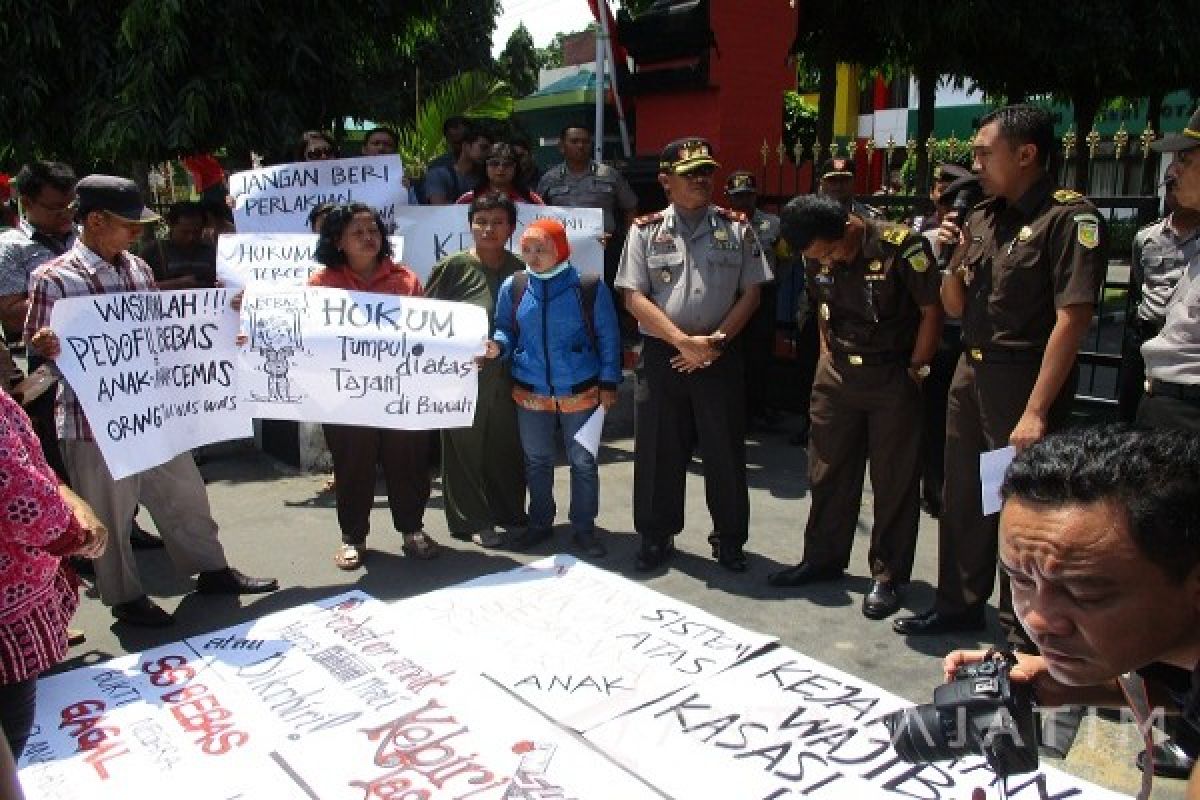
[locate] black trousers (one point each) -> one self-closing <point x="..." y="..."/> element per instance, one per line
<point x="404" y="456"/>
<point x="41" y="415"/>
<point x="758" y="343"/>
<point x="675" y="413"/>
<point x="1161" y="411"/>
<point x="935" y="392"/>
<point x="17" y="702"/>
<point x="1132" y="385"/>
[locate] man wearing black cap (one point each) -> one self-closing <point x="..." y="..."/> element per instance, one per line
<point x="741" y="188"/>
<point x="113" y="215"/>
<point x="943" y="176"/>
<point x="1173" y="356"/>
<point x="1024" y="279"/>
<point x="690" y="275"/>
<point x="880" y="317"/>
<point x="837" y="182"/>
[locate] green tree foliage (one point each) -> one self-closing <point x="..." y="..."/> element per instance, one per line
<point x="477" y="95"/>
<point x="799" y="124"/>
<point x="123" y="80"/>
<point x="519" y="62"/>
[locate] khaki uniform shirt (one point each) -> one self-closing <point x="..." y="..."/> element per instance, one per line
<point x="694" y="278"/>
<point x="1159" y="256"/>
<point x="872" y="305"/>
<point x="600" y="186"/>
<point x="1027" y="260"/>
<point x="1174" y="355"/>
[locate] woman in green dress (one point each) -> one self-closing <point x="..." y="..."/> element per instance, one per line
<point x="483" y="470"/>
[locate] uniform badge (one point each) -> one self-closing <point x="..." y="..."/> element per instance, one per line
<point x="824" y="311"/>
<point x="919" y="262"/>
<point x="765" y="225"/>
<point x="875" y="265"/>
<point x="664" y="275"/>
<point x="720" y="235"/>
<point x="1087" y="231"/>
<point x="1024" y="234"/>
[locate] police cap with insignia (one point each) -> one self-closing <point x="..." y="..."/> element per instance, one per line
<point x="741" y="182"/>
<point x="1187" y="139"/>
<point x="120" y="197"/>
<point x="838" y="167"/>
<point x="686" y="155"/>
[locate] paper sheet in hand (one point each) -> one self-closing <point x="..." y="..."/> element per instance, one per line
<point x="992" y="466"/>
<point x="589" y="434"/>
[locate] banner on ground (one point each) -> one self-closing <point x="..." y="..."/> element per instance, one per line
<point x="279" y="259"/>
<point x="433" y="232"/>
<point x="327" y="700"/>
<point x="278" y="199"/>
<point x="358" y="358"/>
<point x="155" y="372"/>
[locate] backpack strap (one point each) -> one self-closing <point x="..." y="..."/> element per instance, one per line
<point x="520" y="283"/>
<point x="586" y="294"/>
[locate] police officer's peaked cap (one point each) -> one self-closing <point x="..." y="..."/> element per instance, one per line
<point x="741" y="182"/>
<point x="684" y="155"/>
<point x="839" y="167"/>
<point x="1188" y="139"/>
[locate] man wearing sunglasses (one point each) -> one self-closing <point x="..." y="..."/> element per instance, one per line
<point x="690" y="275"/>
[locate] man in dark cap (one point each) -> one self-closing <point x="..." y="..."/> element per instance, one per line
<point x="741" y="188"/>
<point x="876" y="286"/>
<point x="112" y="215"/>
<point x="690" y="275"/>
<point x="943" y="176"/>
<point x="837" y="182"/>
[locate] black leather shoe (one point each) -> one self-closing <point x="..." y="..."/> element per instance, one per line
<point x="142" y="612"/>
<point x="653" y="555"/>
<point x="803" y="573"/>
<point x="1170" y="761"/>
<point x="142" y="539"/>
<point x="933" y="622"/>
<point x="732" y="558"/>
<point x="231" y="581"/>
<point x="882" y="601"/>
<point x="530" y="537"/>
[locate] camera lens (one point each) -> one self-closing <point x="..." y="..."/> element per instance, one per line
<point x="919" y="735"/>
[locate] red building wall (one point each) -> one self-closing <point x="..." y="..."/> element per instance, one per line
<point x="743" y="104"/>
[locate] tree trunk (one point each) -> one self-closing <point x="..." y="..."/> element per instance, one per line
<point x="1154" y="107"/>
<point x="1085" y="104"/>
<point x="825" y="109"/>
<point x="927" y="76"/>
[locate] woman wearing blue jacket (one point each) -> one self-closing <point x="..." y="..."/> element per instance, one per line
<point x="566" y="361"/>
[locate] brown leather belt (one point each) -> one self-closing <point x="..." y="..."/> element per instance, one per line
<point x="583" y="401"/>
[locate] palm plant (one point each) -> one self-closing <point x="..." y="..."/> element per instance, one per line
<point x="470" y="94"/>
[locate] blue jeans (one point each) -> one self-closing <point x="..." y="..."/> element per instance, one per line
<point x="537" y="440"/>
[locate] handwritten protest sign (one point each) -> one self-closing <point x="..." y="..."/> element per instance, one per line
<point x="154" y="372"/>
<point x="433" y="232"/>
<point x="785" y="725"/>
<point x="357" y="358"/>
<point x="278" y="199"/>
<point x="280" y="259"/>
<point x="325" y="700"/>
<point x="579" y="643"/>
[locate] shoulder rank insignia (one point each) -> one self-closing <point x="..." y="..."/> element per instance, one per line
<point x="649" y="218"/>
<point x="895" y="235"/>
<point x="730" y="214"/>
<point x="916" y="258"/>
<point x="1067" y="196"/>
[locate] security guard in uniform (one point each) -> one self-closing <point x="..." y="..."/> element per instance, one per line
<point x="876" y="286"/>
<point x="690" y="275"/>
<point x="741" y="188"/>
<point x="580" y="182"/>
<point x="1025" y="278"/>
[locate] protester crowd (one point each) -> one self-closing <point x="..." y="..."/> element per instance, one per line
<point x="934" y="343"/>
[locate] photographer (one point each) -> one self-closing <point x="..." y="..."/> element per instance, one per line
<point x="1100" y="536"/>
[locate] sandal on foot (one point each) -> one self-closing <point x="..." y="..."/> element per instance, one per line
<point x="418" y="545"/>
<point x="348" y="557"/>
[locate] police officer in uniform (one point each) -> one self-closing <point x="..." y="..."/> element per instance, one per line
<point x="741" y="188"/>
<point x="581" y="182"/>
<point x="837" y="182"/>
<point x="876" y="286"/>
<point x="1024" y="278"/>
<point x="690" y="275"/>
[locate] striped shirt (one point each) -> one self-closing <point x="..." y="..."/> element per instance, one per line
<point x="77" y="273"/>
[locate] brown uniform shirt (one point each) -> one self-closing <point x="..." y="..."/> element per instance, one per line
<point x="872" y="304"/>
<point x="1026" y="260"/>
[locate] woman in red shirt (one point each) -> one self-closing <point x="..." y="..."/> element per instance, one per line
<point x="503" y="176"/>
<point x="355" y="251"/>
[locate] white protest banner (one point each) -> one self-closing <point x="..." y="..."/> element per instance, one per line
<point x="784" y="725"/>
<point x="280" y="259"/>
<point x="358" y="358"/>
<point x="433" y="232"/>
<point x="154" y="372"/>
<point x="327" y="700"/>
<point x="578" y="643"/>
<point x="278" y="199"/>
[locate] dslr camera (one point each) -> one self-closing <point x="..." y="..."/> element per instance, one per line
<point x="980" y="712"/>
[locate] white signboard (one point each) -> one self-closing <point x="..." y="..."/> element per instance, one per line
<point x="358" y="358"/>
<point x="278" y="199"/>
<point x="323" y="701"/>
<point x="155" y="372"/>
<point x="579" y="643"/>
<point x="433" y="232"/>
<point x="784" y="725"/>
<point x="279" y="259"/>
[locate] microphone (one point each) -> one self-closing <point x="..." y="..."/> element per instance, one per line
<point x="966" y="192"/>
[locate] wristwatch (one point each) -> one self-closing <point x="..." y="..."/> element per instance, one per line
<point x="920" y="370"/>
